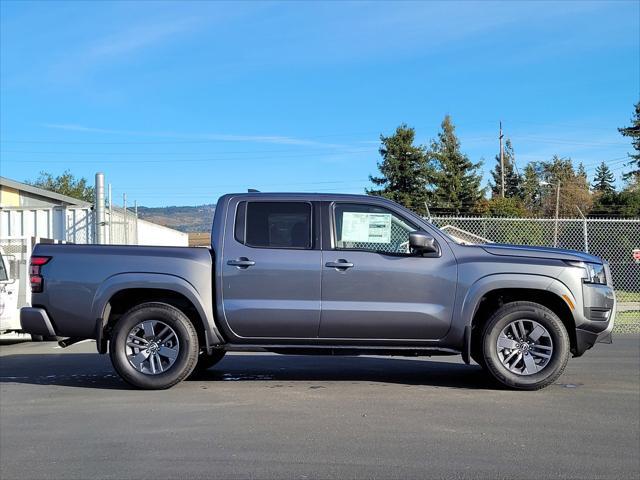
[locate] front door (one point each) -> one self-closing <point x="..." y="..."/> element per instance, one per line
<point x="271" y="270"/>
<point x="374" y="288"/>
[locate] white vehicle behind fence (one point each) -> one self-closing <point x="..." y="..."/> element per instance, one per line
<point x="9" y="313"/>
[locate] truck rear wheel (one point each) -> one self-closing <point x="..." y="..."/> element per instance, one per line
<point x="154" y="346"/>
<point x="525" y="346"/>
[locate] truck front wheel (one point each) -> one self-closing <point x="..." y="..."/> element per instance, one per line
<point x="154" y="346"/>
<point x="525" y="346"/>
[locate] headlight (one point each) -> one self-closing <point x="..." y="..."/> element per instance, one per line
<point x="594" y="272"/>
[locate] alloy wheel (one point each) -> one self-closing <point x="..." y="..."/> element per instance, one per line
<point x="152" y="347"/>
<point x="524" y="347"/>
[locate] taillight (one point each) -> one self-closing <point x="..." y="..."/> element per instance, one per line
<point x="35" y="278"/>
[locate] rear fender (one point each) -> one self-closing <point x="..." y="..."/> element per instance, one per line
<point x="159" y="281"/>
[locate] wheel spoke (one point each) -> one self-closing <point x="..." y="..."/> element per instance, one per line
<point x="152" y="362"/>
<point x="158" y="362"/>
<point x="138" y="359"/>
<point x="515" y="331"/>
<point x="529" y="364"/>
<point x="148" y="329"/>
<point x="536" y="333"/>
<point x="170" y="353"/>
<point x="539" y="354"/>
<point x="136" y="345"/>
<point x="509" y="357"/>
<point x="523" y="332"/>
<point x="164" y="330"/>
<point x="506" y="342"/>
<point x="135" y="338"/>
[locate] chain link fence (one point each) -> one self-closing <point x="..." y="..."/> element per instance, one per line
<point x="611" y="239"/>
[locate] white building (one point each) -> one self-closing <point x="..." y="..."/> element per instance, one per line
<point x="30" y="214"/>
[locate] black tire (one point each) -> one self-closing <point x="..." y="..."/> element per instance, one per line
<point x="186" y="358"/>
<point x="37" y="338"/>
<point x="206" y="361"/>
<point x="526" y="311"/>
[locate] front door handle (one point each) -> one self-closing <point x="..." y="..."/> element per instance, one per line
<point x="242" y="262"/>
<point x="341" y="264"/>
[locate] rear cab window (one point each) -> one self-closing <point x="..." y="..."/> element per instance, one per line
<point x="274" y="224"/>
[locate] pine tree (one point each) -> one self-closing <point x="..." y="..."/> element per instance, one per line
<point x="603" y="180"/>
<point x="405" y="173"/>
<point x="634" y="133"/>
<point x="531" y="191"/>
<point x="512" y="180"/>
<point x="456" y="179"/>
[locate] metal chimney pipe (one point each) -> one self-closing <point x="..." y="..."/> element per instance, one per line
<point x="99" y="208"/>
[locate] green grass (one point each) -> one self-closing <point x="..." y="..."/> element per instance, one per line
<point x="628" y="318"/>
<point x="625" y="296"/>
<point x="627" y="322"/>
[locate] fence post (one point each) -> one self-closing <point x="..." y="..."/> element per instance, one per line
<point x="110" y="217"/>
<point x="584" y="230"/>
<point x="125" y="219"/>
<point x="135" y="207"/>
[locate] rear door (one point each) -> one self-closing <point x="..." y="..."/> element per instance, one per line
<point x="373" y="287"/>
<point x="271" y="270"/>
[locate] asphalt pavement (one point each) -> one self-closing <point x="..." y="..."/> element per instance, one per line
<point x="65" y="414"/>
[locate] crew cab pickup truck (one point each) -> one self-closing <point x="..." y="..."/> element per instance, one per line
<point x="322" y="274"/>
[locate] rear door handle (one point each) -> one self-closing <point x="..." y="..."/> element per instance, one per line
<point x="341" y="264"/>
<point x="242" y="262"/>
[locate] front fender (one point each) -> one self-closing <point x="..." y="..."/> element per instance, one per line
<point x="470" y="301"/>
<point x="157" y="281"/>
<point x="511" y="281"/>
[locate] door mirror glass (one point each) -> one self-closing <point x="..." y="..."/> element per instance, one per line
<point x="422" y="242"/>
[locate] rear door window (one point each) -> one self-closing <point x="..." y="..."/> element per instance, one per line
<point x="278" y="225"/>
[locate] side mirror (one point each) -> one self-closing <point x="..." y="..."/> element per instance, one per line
<point x="422" y="242"/>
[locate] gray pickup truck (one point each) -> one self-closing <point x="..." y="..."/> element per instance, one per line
<point x="322" y="274"/>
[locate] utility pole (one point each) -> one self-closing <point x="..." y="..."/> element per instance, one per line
<point x="555" y="233"/>
<point x="501" y="163"/>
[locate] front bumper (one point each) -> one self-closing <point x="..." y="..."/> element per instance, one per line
<point x="598" y="316"/>
<point x="36" y="321"/>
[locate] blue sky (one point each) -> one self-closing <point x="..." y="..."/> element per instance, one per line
<point x="179" y="102"/>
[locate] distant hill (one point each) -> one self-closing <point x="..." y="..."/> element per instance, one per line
<point x="186" y="219"/>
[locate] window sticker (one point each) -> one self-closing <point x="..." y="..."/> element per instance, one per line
<point x="366" y="227"/>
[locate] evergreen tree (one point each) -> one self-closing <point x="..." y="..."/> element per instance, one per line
<point x="603" y="180"/>
<point x="531" y="190"/>
<point x="456" y="178"/>
<point x="634" y="133"/>
<point x="405" y="172"/>
<point x="512" y="180"/>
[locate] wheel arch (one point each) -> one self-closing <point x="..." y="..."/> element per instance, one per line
<point x="121" y="292"/>
<point x="490" y="292"/>
<point x="494" y="299"/>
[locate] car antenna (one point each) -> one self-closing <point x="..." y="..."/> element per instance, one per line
<point x="252" y="190"/>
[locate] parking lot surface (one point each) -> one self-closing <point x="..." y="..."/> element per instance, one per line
<point x="65" y="414"/>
